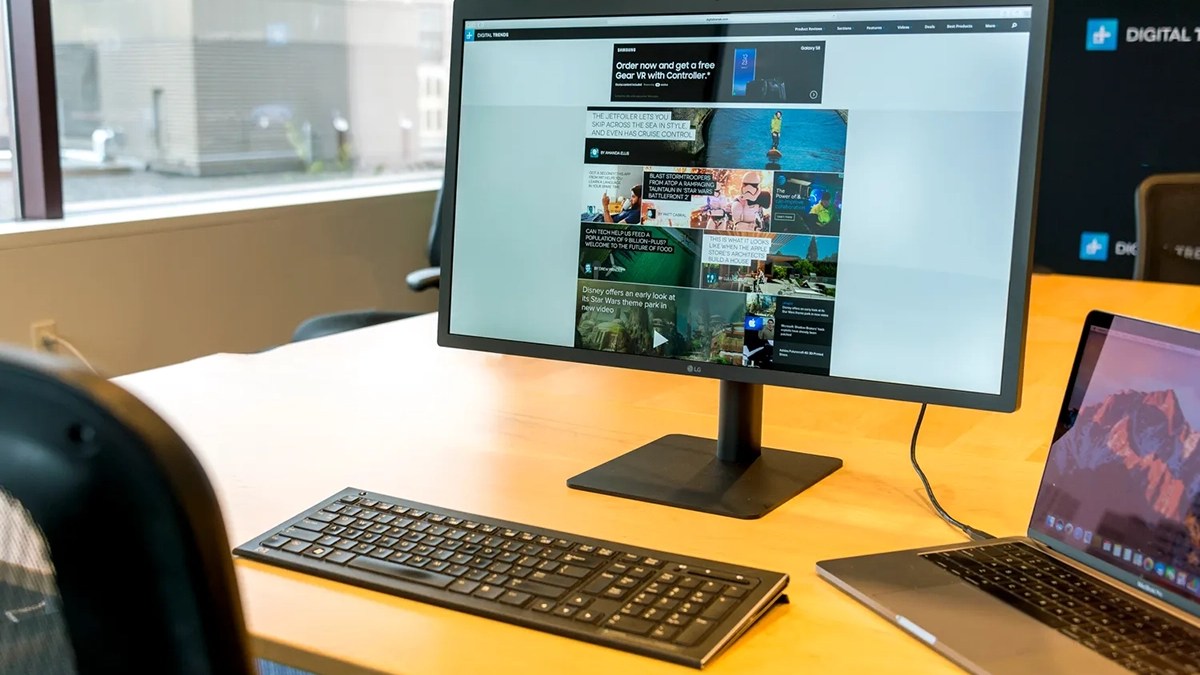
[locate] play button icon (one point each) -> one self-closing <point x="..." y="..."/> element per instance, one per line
<point x="659" y="340"/>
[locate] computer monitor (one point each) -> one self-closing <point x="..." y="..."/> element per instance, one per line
<point x="790" y="193"/>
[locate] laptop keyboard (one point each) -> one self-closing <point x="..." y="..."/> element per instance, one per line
<point x="1116" y="625"/>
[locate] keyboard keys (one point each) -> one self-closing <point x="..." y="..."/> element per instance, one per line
<point x="589" y="616"/>
<point x="553" y="579"/>
<point x="624" y="598"/>
<point x="317" y="551"/>
<point x="694" y="633"/>
<point x="599" y="584"/>
<point x="296" y="546"/>
<point x="515" y="598"/>
<point x="719" y="575"/>
<point x="577" y="559"/>
<point x="718" y="609"/>
<point x="664" y="632"/>
<point x="629" y="624"/>
<point x="309" y="524"/>
<point x="303" y="535"/>
<point x="536" y="588"/>
<point x="574" y="571"/>
<point x="1133" y="634"/>
<point x="404" y="572"/>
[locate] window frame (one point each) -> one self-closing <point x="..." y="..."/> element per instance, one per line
<point x="37" y="167"/>
<point x="38" y="176"/>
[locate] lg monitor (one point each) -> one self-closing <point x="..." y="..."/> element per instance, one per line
<point x="804" y="193"/>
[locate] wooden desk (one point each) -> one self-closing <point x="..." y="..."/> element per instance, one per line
<point x="385" y="409"/>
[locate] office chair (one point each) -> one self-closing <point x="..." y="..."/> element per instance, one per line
<point x="1168" y="224"/>
<point x="419" y="280"/>
<point x="113" y="553"/>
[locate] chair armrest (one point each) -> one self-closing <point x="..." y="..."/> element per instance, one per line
<point x="424" y="279"/>
<point x="340" y="322"/>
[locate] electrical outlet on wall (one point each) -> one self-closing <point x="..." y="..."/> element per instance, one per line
<point x="39" y="331"/>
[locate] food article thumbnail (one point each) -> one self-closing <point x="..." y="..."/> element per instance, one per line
<point x="639" y="254"/>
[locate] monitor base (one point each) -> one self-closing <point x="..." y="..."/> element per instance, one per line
<point x="684" y="471"/>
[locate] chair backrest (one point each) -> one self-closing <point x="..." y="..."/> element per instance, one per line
<point x="113" y="553"/>
<point x="435" y="233"/>
<point x="1168" y="222"/>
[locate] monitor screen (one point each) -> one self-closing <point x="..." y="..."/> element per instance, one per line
<point x="1122" y="484"/>
<point x="1122" y="103"/>
<point x="835" y="200"/>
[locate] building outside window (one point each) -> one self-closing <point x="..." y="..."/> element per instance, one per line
<point x="162" y="100"/>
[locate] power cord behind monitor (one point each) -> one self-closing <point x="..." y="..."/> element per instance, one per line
<point x="974" y="533"/>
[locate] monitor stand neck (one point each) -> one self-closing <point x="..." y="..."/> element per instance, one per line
<point x="739" y="424"/>
<point x="733" y="476"/>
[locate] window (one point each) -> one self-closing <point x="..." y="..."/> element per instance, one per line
<point x="158" y="99"/>
<point x="8" y="193"/>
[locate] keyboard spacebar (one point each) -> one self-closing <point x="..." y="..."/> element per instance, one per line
<point x="391" y="569"/>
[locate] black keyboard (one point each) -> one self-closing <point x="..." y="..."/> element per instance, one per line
<point x="653" y="603"/>
<point x="1112" y="623"/>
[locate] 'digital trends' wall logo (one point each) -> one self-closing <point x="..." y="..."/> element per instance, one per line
<point x="1094" y="246"/>
<point x="1102" y="35"/>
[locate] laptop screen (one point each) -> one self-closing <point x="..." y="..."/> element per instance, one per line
<point x="1122" y="482"/>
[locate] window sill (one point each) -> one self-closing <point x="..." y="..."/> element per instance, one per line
<point x="133" y="217"/>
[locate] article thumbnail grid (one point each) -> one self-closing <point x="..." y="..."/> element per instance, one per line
<point x="712" y="234"/>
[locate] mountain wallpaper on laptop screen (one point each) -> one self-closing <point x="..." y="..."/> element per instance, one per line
<point x="1140" y="448"/>
<point x="1132" y="458"/>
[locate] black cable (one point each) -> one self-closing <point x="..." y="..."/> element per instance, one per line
<point x="973" y="533"/>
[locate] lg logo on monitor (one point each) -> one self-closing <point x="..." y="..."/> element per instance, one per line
<point x="1102" y="35"/>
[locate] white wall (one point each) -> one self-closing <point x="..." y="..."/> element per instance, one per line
<point x="139" y="295"/>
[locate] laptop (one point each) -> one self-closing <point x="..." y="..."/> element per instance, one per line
<point x="1108" y="577"/>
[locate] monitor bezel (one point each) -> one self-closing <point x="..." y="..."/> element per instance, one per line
<point x="1009" y="397"/>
